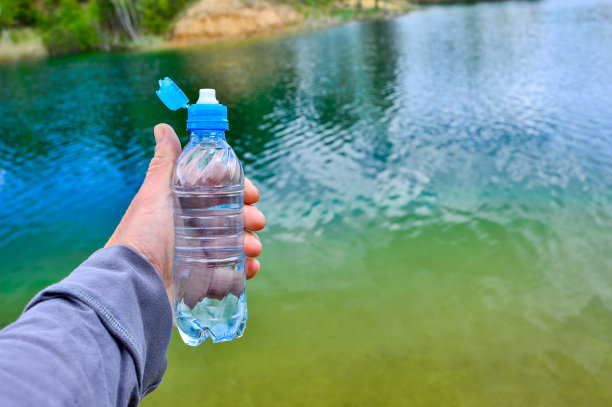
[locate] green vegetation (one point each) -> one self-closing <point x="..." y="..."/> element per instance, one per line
<point x="72" y="25"/>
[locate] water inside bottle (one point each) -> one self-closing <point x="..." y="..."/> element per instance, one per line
<point x="209" y="275"/>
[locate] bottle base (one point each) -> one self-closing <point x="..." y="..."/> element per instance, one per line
<point x="194" y="330"/>
<point x="191" y="341"/>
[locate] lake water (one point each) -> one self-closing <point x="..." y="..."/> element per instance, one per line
<point x="438" y="189"/>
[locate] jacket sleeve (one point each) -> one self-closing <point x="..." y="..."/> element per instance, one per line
<point x="97" y="338"/>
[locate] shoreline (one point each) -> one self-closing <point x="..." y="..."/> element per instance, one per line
<point x="308" y="25"/>
<point x="313" y="20"/>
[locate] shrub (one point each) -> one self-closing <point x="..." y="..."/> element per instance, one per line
<point x="71" y="28"/>
<point x="157" y="14"/>
<point x="18" y="13"/>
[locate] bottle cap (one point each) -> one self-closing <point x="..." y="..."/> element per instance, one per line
<point x="207" y="97"/>
<point x="206" y="114"/>
<point x="171" y="95"/>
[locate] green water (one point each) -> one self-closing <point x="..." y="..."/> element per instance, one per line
<point x="438" y="189"/>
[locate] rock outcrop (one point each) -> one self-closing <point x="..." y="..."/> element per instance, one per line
<point x="212" y="20"/>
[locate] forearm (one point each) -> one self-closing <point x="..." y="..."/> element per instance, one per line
<point x="99" y="337"/>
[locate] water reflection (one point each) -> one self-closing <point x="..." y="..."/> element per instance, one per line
<point x="366" y="119"/>
<point x="417" y="119"/>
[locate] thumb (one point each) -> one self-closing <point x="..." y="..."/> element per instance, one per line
<point x="167" y="150"/>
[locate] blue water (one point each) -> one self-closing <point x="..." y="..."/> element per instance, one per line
<point x="438" y="189"/>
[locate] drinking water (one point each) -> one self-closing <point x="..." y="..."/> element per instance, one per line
<point x="207" y="186"/>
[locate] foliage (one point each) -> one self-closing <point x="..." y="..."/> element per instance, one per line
<point x="18" y="13"/>
<point x="315" y="3"/>
<point x="157" y="14"/>
<point x="71" y="28"/>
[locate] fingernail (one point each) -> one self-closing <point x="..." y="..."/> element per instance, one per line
<point x="160" y="133"/>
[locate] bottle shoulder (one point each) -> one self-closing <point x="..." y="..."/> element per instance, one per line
<point x="208" y="164"/>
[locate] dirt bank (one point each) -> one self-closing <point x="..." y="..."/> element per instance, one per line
<point x="213" y="20"/>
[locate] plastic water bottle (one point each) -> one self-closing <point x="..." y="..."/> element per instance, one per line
<point x="208" y="185"/>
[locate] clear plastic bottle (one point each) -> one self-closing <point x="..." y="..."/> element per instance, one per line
<point x="208" y="185"/>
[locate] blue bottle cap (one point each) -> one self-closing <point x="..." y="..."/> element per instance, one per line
<point x="171" y="95"/>
<point x="207" y="117"/>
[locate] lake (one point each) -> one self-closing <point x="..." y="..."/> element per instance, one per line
<point x="438" y="189"/>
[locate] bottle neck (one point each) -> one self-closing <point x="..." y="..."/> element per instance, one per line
<point x="200" y="135"/>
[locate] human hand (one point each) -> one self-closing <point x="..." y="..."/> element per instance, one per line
<point x="148" y="223"/>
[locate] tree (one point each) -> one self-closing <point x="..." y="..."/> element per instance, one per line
<point x="18" y="13"/>
<point x="128" y="16"/>
<point x="71" y="29"/>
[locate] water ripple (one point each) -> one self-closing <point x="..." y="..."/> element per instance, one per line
<point x="450" y="116"/>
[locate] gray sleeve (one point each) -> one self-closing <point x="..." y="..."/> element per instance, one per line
<point x="97" y="338"/>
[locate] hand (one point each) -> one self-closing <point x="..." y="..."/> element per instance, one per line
<point x="148" y="223"/>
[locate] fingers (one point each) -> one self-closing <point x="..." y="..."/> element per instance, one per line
<point x="253" y="218"/>
<point x="252" y="267"/>
<point x="251" y="194"/>
<point x="167" y="144"/>
<point x="167" y="150"/>
<point x="252" y="245"/>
